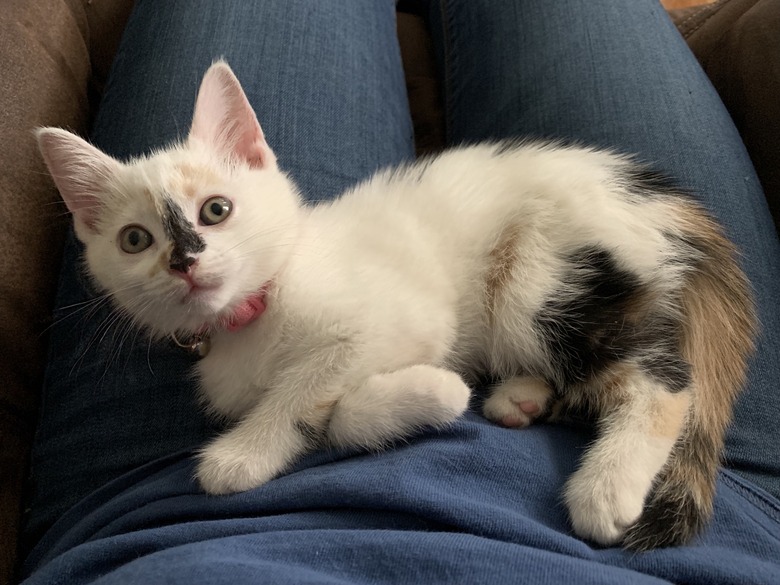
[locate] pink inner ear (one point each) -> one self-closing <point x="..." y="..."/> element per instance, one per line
<point x="252" y="150"/>
<point x="79" y="170"/>
<point x="225" y="120"/>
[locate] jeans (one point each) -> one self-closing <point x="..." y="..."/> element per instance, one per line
<point x="326" y="81"/>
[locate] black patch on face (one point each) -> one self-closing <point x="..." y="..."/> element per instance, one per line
<point x="186" y="241"/>
<point x="591" y="329"/>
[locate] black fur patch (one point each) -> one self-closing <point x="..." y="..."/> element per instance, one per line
<point x="587" y="332"/>
<point x="664" y="362"/>
<point x="644" y="180"/>
<point x="590" y="330"/>
<point x="670" y="518"/>
<point x="181" y="232"/>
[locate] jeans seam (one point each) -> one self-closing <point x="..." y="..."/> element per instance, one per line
<point x="766" y="504"/>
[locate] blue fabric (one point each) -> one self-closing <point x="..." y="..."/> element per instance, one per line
<point x="326" y="82"/>
<point x="473" y="504"/>
<point x="620" y="76"/>
<point x="111" y="462"/>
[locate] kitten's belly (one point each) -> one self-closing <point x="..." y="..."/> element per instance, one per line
<point x="497" y="345"/>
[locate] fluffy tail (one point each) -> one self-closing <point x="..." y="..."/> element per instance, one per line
<point x="718" y="327"/>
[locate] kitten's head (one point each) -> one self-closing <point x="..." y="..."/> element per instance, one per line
<point x="183" y="238"/>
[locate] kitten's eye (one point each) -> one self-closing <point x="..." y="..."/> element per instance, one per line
<point x="134" y="239"/>
<point x="215" y="210"/>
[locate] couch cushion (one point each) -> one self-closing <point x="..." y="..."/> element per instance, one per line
<point x="106" y="21"/>
<point x="738" y="45"/>
<point x="45" y="67"/>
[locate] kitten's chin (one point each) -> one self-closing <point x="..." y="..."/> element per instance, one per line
<point x="202" y="306"/>
<point x="199" y="308"/>
<point x="201" y="296"/>
<point x="191" y="312"/>
<point x="218" y="307"/>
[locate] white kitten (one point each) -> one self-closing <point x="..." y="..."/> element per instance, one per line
<point x="568" y="273"/>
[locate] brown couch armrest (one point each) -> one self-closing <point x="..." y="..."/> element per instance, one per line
<point x="737" y="43"/>
<point x="45" y="65"/>
<point x="45" y="72"/>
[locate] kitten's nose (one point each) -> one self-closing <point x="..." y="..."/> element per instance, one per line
<point x="182" y="265"/>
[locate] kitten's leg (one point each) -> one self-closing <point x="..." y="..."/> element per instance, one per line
<point x="397" y="404"/>
<point x="607" y="494"/>
<point x="284" y="424"/>
<point x="259" y="448"/>
<point x="517" y="402"/>
<point x="281" y="428"/>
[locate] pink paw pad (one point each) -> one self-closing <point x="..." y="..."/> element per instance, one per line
<point x="529" y="407"/>
<point x="529" y="410"/>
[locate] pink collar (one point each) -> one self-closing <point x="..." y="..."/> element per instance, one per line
<point x="245" y="313"/>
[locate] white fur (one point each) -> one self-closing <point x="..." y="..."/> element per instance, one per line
<point x="377" y="298"/>
<point x="606" y="495"/>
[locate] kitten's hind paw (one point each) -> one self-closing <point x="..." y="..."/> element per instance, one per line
<point x="398" y="404"/>
<point x="517" y="402"/>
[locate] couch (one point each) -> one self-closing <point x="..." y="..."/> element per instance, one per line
<point x="55" y="56"/>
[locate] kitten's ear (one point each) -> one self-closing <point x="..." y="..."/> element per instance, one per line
<point x="80" y="171"/>
<point x="225" y="120"/>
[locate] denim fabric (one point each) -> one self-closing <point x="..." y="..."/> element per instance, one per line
<point x="620" y="76"/>
<point x="326" y="81"/>
<point x="472" y="504"/>
<point x="467" y="504"/>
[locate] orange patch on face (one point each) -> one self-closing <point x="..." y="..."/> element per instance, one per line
<point x="190" y="180"/>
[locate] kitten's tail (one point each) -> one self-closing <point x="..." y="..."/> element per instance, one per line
<point x="718" y="327"/>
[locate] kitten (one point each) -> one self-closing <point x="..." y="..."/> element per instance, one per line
<point x="573" y="276"/>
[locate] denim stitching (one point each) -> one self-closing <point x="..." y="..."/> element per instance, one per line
<point x="766" y="504"/>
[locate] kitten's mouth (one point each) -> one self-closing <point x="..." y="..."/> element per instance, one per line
<point x="196" y="290"/>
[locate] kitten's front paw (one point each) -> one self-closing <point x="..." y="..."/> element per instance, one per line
<point x="517" y="402"/>
<point x="603" y="506"/>
<point x="449" y="391"/>
<point x="227" y="468"/>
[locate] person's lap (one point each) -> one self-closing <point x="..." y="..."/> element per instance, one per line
<point x="325" y="79"/>
<point x="470" y="504"/>
<point x="620" y="76"/>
